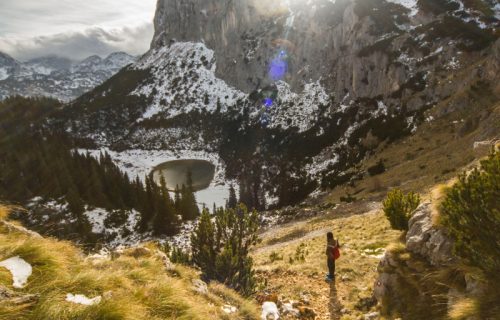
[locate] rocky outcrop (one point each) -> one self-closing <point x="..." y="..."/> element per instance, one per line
<point x="413" y="280"/>
<point x="11" y="227"/>
<point x="8" y="296"/>
<point x="426" y="240"/>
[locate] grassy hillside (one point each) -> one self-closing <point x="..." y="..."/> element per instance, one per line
<point x="292" y="259"/>
<point x="133" y="284"/>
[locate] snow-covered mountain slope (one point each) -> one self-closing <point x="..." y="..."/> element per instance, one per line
<point x="57" y="77"/>
<point x="292" y="96"/>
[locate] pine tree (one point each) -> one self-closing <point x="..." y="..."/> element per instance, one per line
<point x="164" y="221"/>
<point x="232" y="201"/>
<point x="221" y="248"/>
<point x="203" y="245"/>
<point x="188" y="208"/>
<point x="177" y="198"/>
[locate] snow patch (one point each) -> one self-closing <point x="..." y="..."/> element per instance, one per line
<point x="3" y="74"/>
<point x="269" y="309"/>
<point x="411" y="5"/>
<point x="82" y="299"/>
<point x="20" y="270"/>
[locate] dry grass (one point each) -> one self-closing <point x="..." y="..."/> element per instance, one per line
<point x="363" y="237"/>
<point x="434" y="154"/>
<point x="132" y="288"/>
<point x="464" y="309"/>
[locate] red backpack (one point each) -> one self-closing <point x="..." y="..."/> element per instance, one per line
<point x="336" y="251"/>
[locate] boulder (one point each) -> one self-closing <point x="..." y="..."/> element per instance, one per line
<point x="169" y="266"/>
<point x="384" y="285"/>
<point x="428" y="241"/>
<point x="200" y="287"/>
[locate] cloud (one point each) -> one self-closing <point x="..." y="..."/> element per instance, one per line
<point x="78" y="45"/>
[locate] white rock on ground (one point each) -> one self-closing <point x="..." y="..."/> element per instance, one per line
<point x="20" y="270"/>
<point x="270" y="311"/>
<point x="228" y="309"/>
<point x="82" y="299"/>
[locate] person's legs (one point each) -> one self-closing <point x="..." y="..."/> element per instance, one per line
<point x="331" y="269"/>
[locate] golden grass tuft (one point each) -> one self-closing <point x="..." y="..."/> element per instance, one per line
<point x="4" y="212"/>
<point x="131" y="287"/>
<point x="463" y="309"/>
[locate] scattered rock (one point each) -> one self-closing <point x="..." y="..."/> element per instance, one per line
<point x="229" y="309"/>
<point x="305" y="298"/>
<point x="306" y="313"/>
<point x="107" y="295"/>
<point x="102" y="255"/>
<point x="169" y="266"/>
<point x="288" y="309"/>
<point x="200" y="287"/>
<point x="9" y="296"/>
<point x="365" y="304"/>
<point x="15" y="228"/>
<point x="371" y="316"/>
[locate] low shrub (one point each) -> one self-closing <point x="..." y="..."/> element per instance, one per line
<point x="399" y="207"/>
<point x="471" y="213"/>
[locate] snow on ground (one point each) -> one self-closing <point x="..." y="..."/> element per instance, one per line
<point x="96" y="217"/>
<point x="297" y="110"/>
<point x="3" y="74"/>
<point x="184" y="69"/>
<point x="182" y="240"/>
<point x="412" y="5"/>
<point x="123" y="234"/>
<point x="82" y="299"/>
<point x="20" y="270"/>
<point x="269" y="309"/>
<point x="183" y="80"/>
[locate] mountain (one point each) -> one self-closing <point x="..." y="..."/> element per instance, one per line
<point x="57" y="77"/>
<point x="291" y="95"/>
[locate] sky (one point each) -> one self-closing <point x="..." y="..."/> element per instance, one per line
<point x="75" y="29"/>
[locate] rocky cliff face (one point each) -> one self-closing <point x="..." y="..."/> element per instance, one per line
<point x="299" y="90"/>
<point x="364" y="48"/>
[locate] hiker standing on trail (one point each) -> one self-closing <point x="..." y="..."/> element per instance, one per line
<point x="332" y="254"/>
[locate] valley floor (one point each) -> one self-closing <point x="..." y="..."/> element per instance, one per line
<point x="291" y="260"/>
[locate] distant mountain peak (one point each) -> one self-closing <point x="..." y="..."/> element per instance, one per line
<point x="57" y="76"/>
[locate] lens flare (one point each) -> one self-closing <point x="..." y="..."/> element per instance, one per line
<point x="278" y="67"/>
